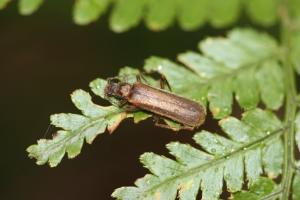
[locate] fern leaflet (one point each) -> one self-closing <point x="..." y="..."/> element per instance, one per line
<point x="161" y="14"/>
<point x="253" y="144"/>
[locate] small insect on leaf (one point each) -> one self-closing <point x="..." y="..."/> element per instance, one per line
<point x="188" y="113"/>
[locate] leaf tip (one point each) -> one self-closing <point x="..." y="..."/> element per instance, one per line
<point x="114" y="124"/>
<point x="224" y="120"/>
<point x="215" y="111"/>
<point x="98" y="86"/>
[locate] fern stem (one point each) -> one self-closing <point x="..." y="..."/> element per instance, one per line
<point x="290" y="107"/>
<point x="272" y="195"/>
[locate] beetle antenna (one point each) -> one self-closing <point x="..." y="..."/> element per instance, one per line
<point x="49" y="128"/>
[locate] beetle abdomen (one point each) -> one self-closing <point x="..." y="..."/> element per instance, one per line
<point x="166" y="104"/>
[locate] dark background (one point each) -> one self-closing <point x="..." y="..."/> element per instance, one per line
<point x="43" y="58"/>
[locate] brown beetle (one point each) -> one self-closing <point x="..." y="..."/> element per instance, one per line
<point x="160" y="102"/>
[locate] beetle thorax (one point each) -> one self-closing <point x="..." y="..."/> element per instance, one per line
<point x="125" y="90"/>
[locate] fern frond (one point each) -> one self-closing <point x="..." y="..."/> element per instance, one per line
<point x="27" y="7"/>
<point x="258" y="190"/>
<point x="161" y="14"/>
<point x="245" y="63"/>
<point x="3" y="3"/>
<point x="85" y="12"/>
<point x="76" y="129"/>
<point x="253" y="145"/>
<point x="264" y="12"/>
<point x="94" y="120"/>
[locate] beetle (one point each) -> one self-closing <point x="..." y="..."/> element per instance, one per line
<point x="138" y="95"/>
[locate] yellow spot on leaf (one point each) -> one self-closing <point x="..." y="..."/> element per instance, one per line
<point x="186" y="186"/>
<point x="271" y="175"/>
<point x="215" y="111"/>
<point x="157" y="196"/>
<point x="112" y="127"/>
<point x="223" y="120"/>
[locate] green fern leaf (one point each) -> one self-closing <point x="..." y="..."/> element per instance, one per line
<point x="87" y="11"/>
<point x="126" y="14"/>
<point x="246" y="148"/>
<point x="259" y="189"/>
<point x="27" y="7"/>
<point x="76" y="128"/>
<point x="237" y="64"/>
<point x="224" y="13"/>
<point x="161" y="14"/>
<point x="263" y="12"/>
<point x="192" y="13"/>
<point x="3" y="3"/>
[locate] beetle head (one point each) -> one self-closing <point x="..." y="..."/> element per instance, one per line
<point x="118" y="90"/>
<point x="124" y="90"/>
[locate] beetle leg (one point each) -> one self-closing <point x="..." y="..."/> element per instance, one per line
<point x="113" y="79"/>
<point x="162" y="125"/>
<point x="138" y="78"/>
<point x="141" y="77"/>
<point x="127" y="107"/>
<point x="157" y="119"/>
<point x="186" y="127"/>
<point x="131" y="108"/>
<point x="163" y="81"/>
<point x="159" y="124"/>
<point x="122" y="103"/>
